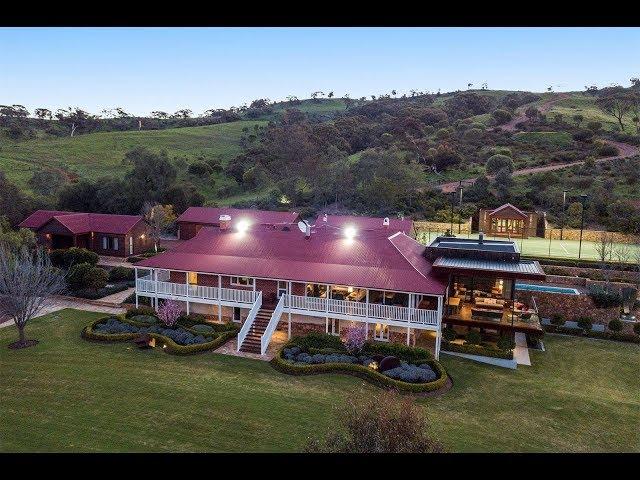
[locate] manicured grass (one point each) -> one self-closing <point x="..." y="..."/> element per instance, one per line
<point x="101" y="154"/>
<point x="67" y="394"/>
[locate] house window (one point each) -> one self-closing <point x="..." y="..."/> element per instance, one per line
<point x="130" y="245"/>
<point x="105" y="243"/>
<point x="241" y="281"/>
<point x="109" y="243"/>
<point x="282" y="288"/>
<point x="382" y="332"/>
<point x="115" y="243"/>
<point x="192" y="278"/>
<point x="236" y="314"/>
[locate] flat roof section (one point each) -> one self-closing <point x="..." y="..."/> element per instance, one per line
<point x="502" y="246"/>
<point x="521" y="269"/>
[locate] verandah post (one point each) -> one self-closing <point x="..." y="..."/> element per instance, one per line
<point x="186" y="281"/>
<point x="219" y="298"/>
<point x="135" y="276"/>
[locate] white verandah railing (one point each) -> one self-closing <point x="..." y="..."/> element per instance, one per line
<point x="271" y="326"/>
<point x="196" y="291"/>
<point x="360" y="309"/>
<point x="242" y="334"/>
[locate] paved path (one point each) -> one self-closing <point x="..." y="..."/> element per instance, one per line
<point x="118" y="297"/>
<point x="521" y="352"/>
<point x="78" y="304"/>
<point x="625" y="151"/>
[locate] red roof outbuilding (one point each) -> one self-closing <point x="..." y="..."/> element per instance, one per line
<point x="78" y="222"/>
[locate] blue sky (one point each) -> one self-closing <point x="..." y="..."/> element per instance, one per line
<point x="144" y="69"/>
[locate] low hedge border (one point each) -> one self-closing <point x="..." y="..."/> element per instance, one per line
<point x="171" y="346"/>
<point x="606" y="335"/>
<point x="361" y="371"/>
<point x="477" y="350"/>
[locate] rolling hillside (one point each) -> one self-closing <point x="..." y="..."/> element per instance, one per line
<point x="101" y="154"/>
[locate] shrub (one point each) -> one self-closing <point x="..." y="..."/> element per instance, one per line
<point x="557" y="319"/>
<point x="169" y="312"/>
<point x="449" y="334"/>
<point x="191" y="319"/>
<point x="607" y="151"/>
<point x="143" y="310"/>
<point x="144" y="319"/>
<point x="497" y="162"/>
<point x="356" y="337"/>
<point x="383" y="423"/>
<point x="636" y="328"/>
<point x="482" y="350"/>
<point x="319" y="340"/>
<point x="199" y="169"/>
<point x="585" y="323"/>
<point x="615" y="325"/>
<point x="119" y="274"/>
<point x="604" y="297"/>
<point x="506" y="343"/>
<point x="473" y="337"/>
<point x="95" y="278"/>
<point x="389" y="363"/>
<point x="57" y="257"/>
<point x="75" y="275"/>
<point x="501" y="117"/>
<point x="75" y="256"/>
<point x="203" y="328"/>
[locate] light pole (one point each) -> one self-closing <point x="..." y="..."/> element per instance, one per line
<point x="564" y="201"/>
<point x="460" y="210"/>
<point x="453" y="196"/>
<point x="583" y="201"/>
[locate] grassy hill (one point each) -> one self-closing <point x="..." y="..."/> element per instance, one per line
<point x="101" y="154"/>
<point x="585" y="105"/>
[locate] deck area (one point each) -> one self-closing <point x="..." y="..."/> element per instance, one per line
<point x="464" y="317"/>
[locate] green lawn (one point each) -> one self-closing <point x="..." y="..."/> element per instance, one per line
<point x="540" y="247"/>
<point x="67" y="394"/>
<point x="101" y="154"/>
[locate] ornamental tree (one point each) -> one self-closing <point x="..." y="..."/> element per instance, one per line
<point x="355" y="338"/>
<point x="27" y="283"/>
<point x="169" y="312"/>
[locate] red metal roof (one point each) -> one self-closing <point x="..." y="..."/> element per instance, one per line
<point x="211" y="216"/>
<point x="507" y="206"/>
<point x="373" y="259"/>
<point x="78" y="222"/>
<point x="40" y="217"/>
<point x="366" y="223"/>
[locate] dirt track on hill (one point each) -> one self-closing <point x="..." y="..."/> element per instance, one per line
<point x="625" y="150"/>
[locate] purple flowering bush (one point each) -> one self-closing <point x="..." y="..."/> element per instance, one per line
<point x="355" y="338"/>
<point x="169" y="312"/>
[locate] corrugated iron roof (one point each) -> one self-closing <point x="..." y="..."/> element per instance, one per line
<point x="372" y="259"/>
<point x="40" y="217"/>
<point x="366" y="223"/>
<point x="211" y="215"/>
<point x="79" y="222"/>
<point x="522" y="267"/>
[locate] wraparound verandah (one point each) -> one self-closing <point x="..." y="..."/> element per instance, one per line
<point x="380" y="317"/>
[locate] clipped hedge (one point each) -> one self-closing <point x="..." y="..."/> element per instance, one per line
<point x="606" y="335"/>
<point x="361" y="371"/>
<point x="171" y="346"/>
<point x="481" y="350"/>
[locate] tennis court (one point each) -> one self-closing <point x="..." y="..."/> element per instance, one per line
<point x="543" y="247"/>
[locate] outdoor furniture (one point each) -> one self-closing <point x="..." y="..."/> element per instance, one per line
<point x="485" y="313"/>
<point x="490" y="303"/>
<point x="454" y="302"/>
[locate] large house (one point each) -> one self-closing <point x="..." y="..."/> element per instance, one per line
<point x="322" y="277"/>
<point x="105" y="234"/>
<point x="194" y="218"/>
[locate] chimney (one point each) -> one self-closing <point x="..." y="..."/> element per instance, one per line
<point x="481" y="238"/>
<point x="324" y="217"/>
<point x="385" y="222"/>
<point x="225" y="222"/>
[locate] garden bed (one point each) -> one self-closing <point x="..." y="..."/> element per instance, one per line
<point x="483" y="350"/>
<point x="606" y="335"/>
<point x="412" y="369"/>
<point x="186" y="337"/>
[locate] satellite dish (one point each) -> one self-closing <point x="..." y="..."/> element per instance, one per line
<point x="302" y="225"/>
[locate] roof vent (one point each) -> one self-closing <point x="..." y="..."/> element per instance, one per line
<point x="385" y="222"/>
<point x="324" y="217"/>
<point x="481" y="238"/>
<point x="225" y="222"/>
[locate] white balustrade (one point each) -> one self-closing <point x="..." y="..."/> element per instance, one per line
<point x="271" y="326"/>
<point x="361" y="309"/>
<point x="242" y="334"/>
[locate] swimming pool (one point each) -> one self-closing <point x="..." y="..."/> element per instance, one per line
<point x="546" y="288"/>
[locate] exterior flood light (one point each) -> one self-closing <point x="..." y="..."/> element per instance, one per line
<point x="350" y="232"/>
<point x="242" y="226"/>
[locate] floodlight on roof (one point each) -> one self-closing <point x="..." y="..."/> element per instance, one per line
<point x="242" y="226"/>
<point x="350" y="232"/>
